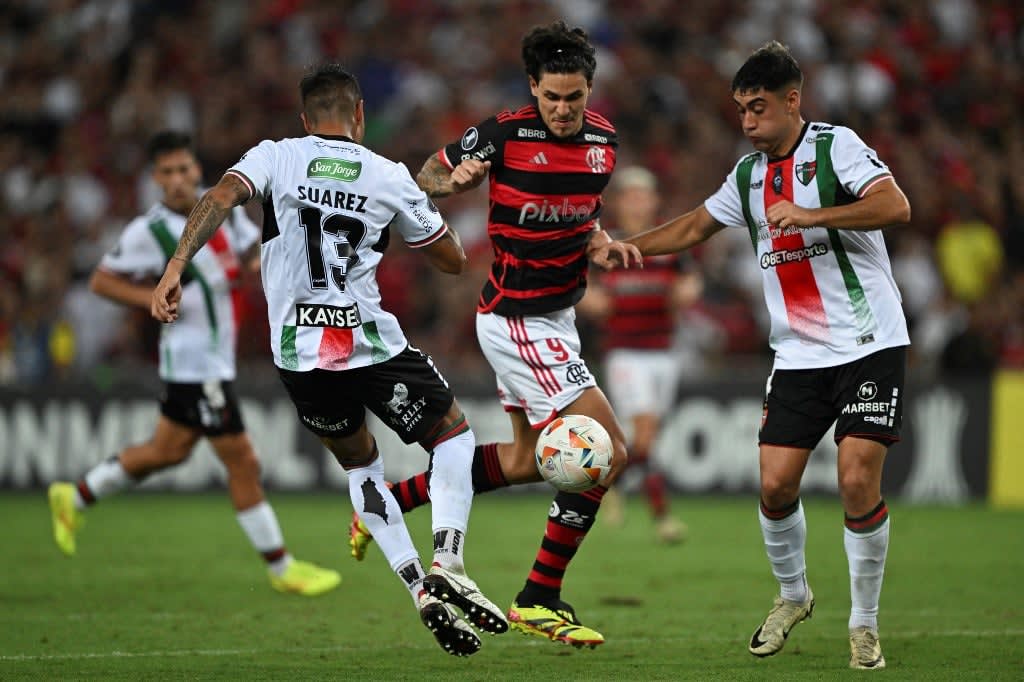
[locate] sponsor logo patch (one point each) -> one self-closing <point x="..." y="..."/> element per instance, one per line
<point x="773" y="259"/>
<point x="469" y="139"/>
<point x="320" y="315"/>
<point x="336" y="169"/>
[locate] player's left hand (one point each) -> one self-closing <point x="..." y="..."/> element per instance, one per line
<point x="785" y="214"/>
<point x="166" y="296"/>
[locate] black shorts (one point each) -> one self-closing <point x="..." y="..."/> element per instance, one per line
<point x="864" y="398"/>
<point x="406" y="392"/>
<point x="210" y="407"/>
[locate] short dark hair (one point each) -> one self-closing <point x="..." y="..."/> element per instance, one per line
<point x="167" y="141"/>
<point x="329" y="90"/>
<point x="771" y="67"/>
<point x="556" y="48"/>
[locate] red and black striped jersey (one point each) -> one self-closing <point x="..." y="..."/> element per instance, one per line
<point x="545" y="197"/>
<point x="642" y="314"/>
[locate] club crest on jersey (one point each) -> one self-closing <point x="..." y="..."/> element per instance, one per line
<point x="336" y="169"/>
<point x="596" y="160"/>
<point x="805" y="171"/>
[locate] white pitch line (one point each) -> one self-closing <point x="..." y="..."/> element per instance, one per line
<point x="911" y="634"/>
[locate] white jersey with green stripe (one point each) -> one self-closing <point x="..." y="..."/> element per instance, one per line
<point x="200" y="344"/>
<point x="831" y="294"/>
<point x="329" y="205"/>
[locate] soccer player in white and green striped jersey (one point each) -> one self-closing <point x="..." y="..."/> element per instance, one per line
<point x="197" y="366"/>
<point x="813" y="198"/>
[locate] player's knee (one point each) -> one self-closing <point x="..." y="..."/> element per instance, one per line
<point x="170" y="455"/>
<point x="620" y="457"/>
<point x="777" y="491"/>
<point x="856" y="482"/>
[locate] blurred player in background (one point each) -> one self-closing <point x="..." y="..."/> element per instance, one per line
<point x="548" y="164"/>
<point x="638" y="310"/>
<point x="814" y="198"/>
<point x="330" y="206"/>
<point x="197" y="365"/>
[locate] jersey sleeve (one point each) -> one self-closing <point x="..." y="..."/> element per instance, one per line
<point x="416" y="217"/>
<point x="856" y="165"/>
<point x="242" y="231"/>
<point x="137" y="253"/>
<point x="725" y="205"/>
<point x="484" y="141"/>
<point x="255" y="168"/>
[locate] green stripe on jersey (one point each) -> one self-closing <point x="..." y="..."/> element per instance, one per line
<point x="378" y="352"/>
<point x="828" y="186"/>
<point x="169" y="245"/>
<point x="289" y="357"/>
<point x="743" y="173"/>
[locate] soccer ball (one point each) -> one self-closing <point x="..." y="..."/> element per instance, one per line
<point x="574" y="453"/>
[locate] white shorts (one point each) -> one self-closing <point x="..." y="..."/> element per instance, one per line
<point x="536" y="361"/>
<point x="641" y="381"/>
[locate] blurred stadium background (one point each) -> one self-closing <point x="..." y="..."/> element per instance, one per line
<point x="936" y="88"/>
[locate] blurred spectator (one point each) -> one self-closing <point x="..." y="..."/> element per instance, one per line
<point x="934" y="87"/>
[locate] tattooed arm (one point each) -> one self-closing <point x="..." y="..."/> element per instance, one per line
<point x="213" y="208"/>
<point x="437" y="181"/>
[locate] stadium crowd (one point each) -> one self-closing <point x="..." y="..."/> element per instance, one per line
<point x="934" y="87"/>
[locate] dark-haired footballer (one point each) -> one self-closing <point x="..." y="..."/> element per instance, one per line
<point x="814" y="199"/>
<point x="197" y="366"/>
<point x="329" y="206"/>
<point x="548" y="164"/>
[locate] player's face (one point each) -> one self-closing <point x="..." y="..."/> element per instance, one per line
<point x="561" y="99"/>
<point x="768" y="118"/>
<point x="177" y="172"/>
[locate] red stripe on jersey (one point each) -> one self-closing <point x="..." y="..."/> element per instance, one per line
<point x="518" y="338"/>
<point x="533" y="234"/>
<point x="443" y="158"/>
<point x="222" y="247"/>
<point x="507" y="258"/>
<point x="529" y="111"/>
<point x="537" y="293"/>
<point x="335" y="348"/>
<point x="642" y="311"/>
<point x="531" y="349"/>
<point x="804" y="307"/>
<point x="546" y="157"/>
<point x="596" y="119"/>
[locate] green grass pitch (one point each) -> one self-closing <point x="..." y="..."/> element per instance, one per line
<point x="166" y="587"/>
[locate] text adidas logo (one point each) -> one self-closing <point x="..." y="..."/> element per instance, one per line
<point x="539" y="159"/>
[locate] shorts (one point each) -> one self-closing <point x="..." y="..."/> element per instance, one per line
<point x="864" y="398"/>
<point x="210" y="407"/>
<point x="640" y="381"/>
<point x="536" y="361"/>
<point x="406" y="392"/>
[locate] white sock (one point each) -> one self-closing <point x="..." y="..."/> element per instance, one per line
<point x="784" y="540"/>
<point x="380" y="512"/>
<point x="104" y="479"/>
<point x="264" y="532"/>
<point x="451" y="497"/>
<point x="866" y="553"/>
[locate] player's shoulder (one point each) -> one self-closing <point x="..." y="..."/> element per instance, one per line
<point x="818" y="130"/>
<point x="595" y="123"/>
<point x="523" y="115"/>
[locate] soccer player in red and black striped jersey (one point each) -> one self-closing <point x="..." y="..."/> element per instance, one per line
<point x="548" y="163"/>
<point x="638" y="310"/>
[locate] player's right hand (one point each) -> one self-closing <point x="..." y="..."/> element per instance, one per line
<point x="166" y="296"/>
<point x="469" y="174"/>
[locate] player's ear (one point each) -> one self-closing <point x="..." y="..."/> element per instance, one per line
<point x="305" y="122"/>
<point x="793" y="101"/>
